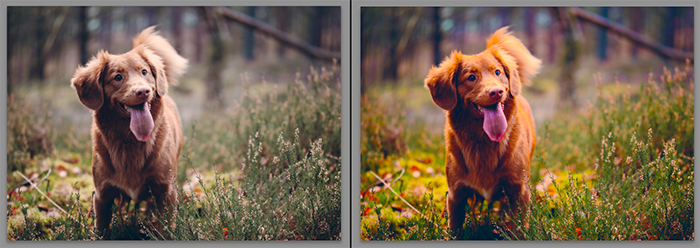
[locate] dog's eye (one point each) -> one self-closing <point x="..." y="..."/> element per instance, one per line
<point x="471" y="78"/>
<point x="144" y="72"/>
<point x="118" y="78"/>
<point x="498" y="72"/>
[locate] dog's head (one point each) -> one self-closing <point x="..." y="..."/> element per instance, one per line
<point x="127" y="84"/>
<point x="483" y="82"/>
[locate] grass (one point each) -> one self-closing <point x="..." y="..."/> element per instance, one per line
<point x="266" y="169"/>
<point x="622" y="169"/>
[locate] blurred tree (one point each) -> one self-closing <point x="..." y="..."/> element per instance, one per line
<point x="567" y="89"/>
<point x="669" y="30"/>
<point x="83" y="34"/>
<point x="215" y="64"/>
<point x="200" y="34"/>
<point x="504" y="13"/>
<point x="283" y="23"/>
<point x="552" y="37"/>
<point x="152" y="14"/>
<point x="391" y="70"/>
<point x="367" y="21"/>
<point x="637" y="25"/>
<point x="105" y="31"/>
<point x="437" y="36"/>
<point x="458" y="33"/>
<point x="603" y="36"/>
<point x="249" y="36"/>
<point x="316" y="26"/>
<point x="176" y="27"/>
<point x="40" y="34"/>
<point x="530" y="28"/>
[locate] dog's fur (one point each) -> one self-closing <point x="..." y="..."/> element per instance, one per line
<point x="125" y="167"/>
<point x="479" y="165"/>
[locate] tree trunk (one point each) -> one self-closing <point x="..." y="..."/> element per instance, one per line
<point x="664" y="51"/>
<point x="83" y="34"/>
<point x="176" y="21"/>
<point x="106" y="27"/>
<point x="552" y="33"/>
<point x="37" y="69"/>
<point x="567" y="89"/>
<point x="505" y="16"/>
<point x="267" y="29"/>
<point x="458" y="34"/>
<point x="530" y="28"/>
<point x="391" y="71"/>
<point x="215" y="64"/>
<point x="437" y="36"/>
<point x="689" y="17"/>
<point x="366" y="30"/>
<point x="249" y="36"/>
<point x="669" y="31"/>
<point x="283" y="23"/>
<point x="603" y="37"/>
<point x="315" y="26"/>
<point x="199" y="38"/>
<point x="152" y="13"/>
<point x="637" y="26"/>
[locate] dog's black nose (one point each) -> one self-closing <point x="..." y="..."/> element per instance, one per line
<point x="143" y="93"/>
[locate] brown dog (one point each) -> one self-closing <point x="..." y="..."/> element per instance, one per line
<point x="136" y="128"/>
<point x="490" y="131"/>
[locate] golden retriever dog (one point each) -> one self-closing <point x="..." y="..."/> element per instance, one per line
<point x="136" y="127"/>
<point x="489" y="130"/>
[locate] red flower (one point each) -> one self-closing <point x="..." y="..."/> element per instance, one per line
<point x="225" y="232"/>
<point x="578" y="232"/>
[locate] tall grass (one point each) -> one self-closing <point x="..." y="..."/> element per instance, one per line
<point x="280" y="150"/>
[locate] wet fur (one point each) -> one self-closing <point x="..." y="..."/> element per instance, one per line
<point x="477" y="167"/>
<point x="124" y="168"/>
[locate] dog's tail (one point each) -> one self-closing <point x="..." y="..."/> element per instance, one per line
<point x="175" y="65"/>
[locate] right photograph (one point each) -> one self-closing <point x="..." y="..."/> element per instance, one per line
<point x="527" y="123"/>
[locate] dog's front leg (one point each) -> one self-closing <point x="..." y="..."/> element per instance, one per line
<point x="518" y="197"/>
<point x="102" y="202"/>
<point x="163" y="206"/>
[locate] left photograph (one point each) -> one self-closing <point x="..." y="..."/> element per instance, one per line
<point x="173" y="123"/>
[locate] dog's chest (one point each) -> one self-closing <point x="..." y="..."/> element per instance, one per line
<point x="130" y="168"/>
<point x="483" y="173"/>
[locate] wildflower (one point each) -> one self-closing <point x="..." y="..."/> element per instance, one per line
<point x="578" y="232"/>
<point x="225" y="232"/>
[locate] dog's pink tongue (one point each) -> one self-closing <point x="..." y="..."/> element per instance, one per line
<point x="141" y="122"/>
<point x="495" y="124"/>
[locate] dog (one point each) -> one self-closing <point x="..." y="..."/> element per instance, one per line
<point x="489" y="129"/>
<point x="136" y="127"/>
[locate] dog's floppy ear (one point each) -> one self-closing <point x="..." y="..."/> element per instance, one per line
<point x="87" y="81"/>
<point x="155" y="63"/>
<point x="523" y="65"/>
<point x="441" y="81"/>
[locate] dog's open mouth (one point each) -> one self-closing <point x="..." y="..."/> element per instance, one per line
<point x="495" y="123"/>
<point x="141" y="121"/>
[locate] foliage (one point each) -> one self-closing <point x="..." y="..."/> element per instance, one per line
<point x="380" y="133"/>
<point x="28" y="133"/>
